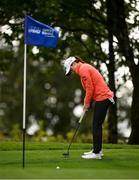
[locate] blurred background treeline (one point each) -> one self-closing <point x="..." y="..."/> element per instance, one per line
<point x="105" y="33"/>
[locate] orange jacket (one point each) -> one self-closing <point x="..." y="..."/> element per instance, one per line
<point x="93" y="83"/>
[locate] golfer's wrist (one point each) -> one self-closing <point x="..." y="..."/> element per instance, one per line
<point x="86" y="106"/>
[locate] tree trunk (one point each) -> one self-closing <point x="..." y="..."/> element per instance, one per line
<point x="134" y="136"/>
<point x="112" y="119"/>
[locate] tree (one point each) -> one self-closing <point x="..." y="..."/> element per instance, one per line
<point x="120" y="30"/>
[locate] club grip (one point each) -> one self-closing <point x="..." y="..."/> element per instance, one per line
<point x="81" y="118"/>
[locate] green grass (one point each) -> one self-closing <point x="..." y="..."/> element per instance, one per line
<point x="119" y="162"/>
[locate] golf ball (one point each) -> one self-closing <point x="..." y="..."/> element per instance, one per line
<point x="57" y="167"/>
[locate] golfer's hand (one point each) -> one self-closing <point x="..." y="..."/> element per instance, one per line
<point x="86" y="107"/>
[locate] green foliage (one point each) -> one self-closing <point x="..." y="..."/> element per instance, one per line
<point x="49" y="92"/>
<point x="50" y="95"/>
<point x="16" y="133"/>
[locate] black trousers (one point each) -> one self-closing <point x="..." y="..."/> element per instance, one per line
<point x="99" y="114"/>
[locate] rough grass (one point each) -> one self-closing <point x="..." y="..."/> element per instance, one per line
<point x="119" y="162"/>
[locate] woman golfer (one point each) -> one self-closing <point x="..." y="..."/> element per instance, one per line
<point x="96" y="90"/>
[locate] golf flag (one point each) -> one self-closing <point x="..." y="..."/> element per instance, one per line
<point x="39" y="34"/>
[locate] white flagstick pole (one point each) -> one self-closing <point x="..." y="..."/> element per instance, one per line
<point x="24" y="101"/>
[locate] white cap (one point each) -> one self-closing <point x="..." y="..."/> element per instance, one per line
<point x="67" y="64"/>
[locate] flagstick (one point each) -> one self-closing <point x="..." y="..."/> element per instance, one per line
<point x="24" y="102"/>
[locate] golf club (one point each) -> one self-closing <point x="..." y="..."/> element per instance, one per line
<point x="79" y="122"/>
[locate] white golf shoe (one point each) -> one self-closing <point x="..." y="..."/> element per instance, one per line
<point x="92" y="156"/>
<point x="90" y="152"/>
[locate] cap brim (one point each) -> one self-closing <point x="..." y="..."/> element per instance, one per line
<point x="67" y="71"/>
<point x="67" y="74"/>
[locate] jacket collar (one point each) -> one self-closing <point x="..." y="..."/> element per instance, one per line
<point x="77" y="68"/>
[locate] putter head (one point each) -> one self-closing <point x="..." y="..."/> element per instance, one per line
<point x="66" y="154"/>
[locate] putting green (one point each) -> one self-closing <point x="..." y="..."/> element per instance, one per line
<point x="42" y="159"/>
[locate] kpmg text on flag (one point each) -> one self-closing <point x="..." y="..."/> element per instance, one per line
<point x="39" y="34"/>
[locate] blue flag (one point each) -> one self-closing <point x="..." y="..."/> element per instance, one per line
<point x="39" y="34"/>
